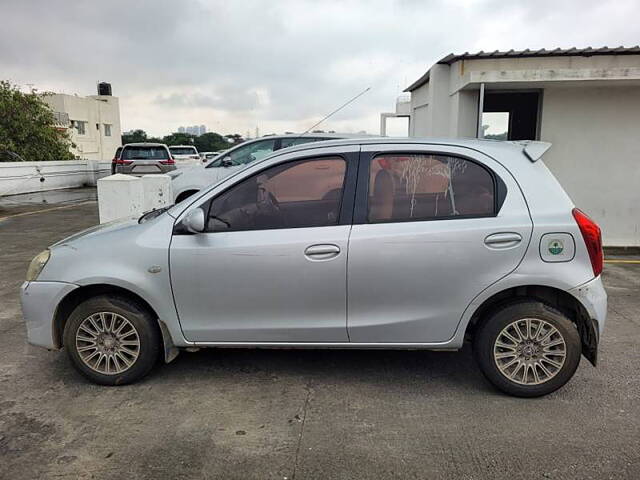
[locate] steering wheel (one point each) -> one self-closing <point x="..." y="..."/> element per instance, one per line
<point x="269" y="208"/>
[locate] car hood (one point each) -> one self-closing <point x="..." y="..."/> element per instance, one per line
<point x="112" y="226"/>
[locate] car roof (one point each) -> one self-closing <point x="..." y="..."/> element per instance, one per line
<point x="473" y="143"/>
<point x="182" y="146"/>
<point x="144" y="144"/>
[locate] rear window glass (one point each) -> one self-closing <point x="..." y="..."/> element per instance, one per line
<point x="145" y="153"/>
<point x="423" y="187"/>
<point x="183" y="150"/>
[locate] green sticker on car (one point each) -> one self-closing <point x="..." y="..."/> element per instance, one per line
<point x="555" y="247"/>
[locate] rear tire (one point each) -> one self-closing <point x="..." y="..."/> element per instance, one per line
<point x="527" y="349"/>
<point x="112" y="340"/>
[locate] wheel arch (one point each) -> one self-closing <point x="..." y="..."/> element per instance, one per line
<point x="557" y="298"/>
<point x="78" y="295"/>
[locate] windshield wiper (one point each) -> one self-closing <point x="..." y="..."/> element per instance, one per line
<point x="153" y="214"/>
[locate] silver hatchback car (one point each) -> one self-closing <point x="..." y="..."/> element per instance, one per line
<point x="370" y="243"/>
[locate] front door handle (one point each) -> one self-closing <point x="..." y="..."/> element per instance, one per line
<point x="322" y="252"/>
<point x="503" y="240"/>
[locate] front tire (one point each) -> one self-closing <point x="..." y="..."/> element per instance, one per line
<point x="112" y="340"/>
<point x="527" y="349"/>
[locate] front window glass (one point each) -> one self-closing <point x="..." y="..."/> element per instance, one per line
<point x="145" y="153"/>
<point x="252" y="152"/>
<point x="423" y="187"/>
<point x="304" y="193"/>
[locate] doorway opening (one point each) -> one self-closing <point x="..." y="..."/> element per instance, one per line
<point x="511" y="115"/>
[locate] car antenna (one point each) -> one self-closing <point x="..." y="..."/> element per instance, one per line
<point x="335" y="111"/>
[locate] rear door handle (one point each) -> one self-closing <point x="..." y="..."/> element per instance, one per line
<point x="503" y="240"/>
<point x="322" y="252"/>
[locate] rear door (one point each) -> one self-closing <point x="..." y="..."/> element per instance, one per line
<point x="433" y="227"/>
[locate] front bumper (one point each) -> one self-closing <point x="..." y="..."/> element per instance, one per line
<point x="39" y="303"/>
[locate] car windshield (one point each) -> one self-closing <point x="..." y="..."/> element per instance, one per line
<point x="183" y="151"/>
<point x="145" y="153"/>
<point x="246" y="153"/>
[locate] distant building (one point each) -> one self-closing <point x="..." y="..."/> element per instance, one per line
<point x="586" y="102"/>
<point x="195" y="130"/>
<point x="93" y="121"/>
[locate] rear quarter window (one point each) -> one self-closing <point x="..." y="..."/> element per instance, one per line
<point x="406" y="187"/>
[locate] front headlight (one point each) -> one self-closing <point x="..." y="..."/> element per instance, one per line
<point x="37" y="264"/>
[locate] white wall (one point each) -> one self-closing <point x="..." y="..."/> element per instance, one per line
<point x="27" y="177"/>
<point x="596" y="154"/>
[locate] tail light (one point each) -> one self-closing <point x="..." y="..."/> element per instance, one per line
<point x="123" y="162"/>
<point x="170" y="161"/>
<point x="592" y="238"/>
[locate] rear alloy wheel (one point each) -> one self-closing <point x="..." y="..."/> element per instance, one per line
<point x="528" y="349"/>
<point x="112" y="340"/>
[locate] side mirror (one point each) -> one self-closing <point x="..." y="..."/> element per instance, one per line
<point x="226" y="162"/>
<point x="194" y="221"/>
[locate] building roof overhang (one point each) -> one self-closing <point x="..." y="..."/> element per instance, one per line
<point x="558" y="52"/>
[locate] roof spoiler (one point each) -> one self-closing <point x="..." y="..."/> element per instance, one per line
<point x="534" y="150"/>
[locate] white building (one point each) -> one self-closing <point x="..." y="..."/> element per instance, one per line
<point x="94" y="123"/>
<point x="195" y="130"/>
<point x="586" y="102"/>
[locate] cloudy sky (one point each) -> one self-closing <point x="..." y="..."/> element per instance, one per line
<point x="279" y="65"/>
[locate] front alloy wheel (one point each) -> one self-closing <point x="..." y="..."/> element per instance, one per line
<point x="112" y="340"/>
<point x="107" y="343"/>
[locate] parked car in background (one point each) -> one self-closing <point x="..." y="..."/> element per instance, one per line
<point x="186" y="182"/>
<point x="184" y="153"/>
<point x="116" y="157"/>
<point x="144" y="159"/>
<point x="420" y="244"/>
<point x="206" y="156"/>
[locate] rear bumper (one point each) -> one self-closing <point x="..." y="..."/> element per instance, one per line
<point x="136" y="171"/>
<point x="593" y="297"/>
<point x="39" y="303"/>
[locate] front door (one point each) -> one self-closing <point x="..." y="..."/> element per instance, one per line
<point x="433" y="228"/>
<point x="272" y="265"/>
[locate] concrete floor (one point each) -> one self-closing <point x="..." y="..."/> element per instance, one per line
<point x="307" y="414"/>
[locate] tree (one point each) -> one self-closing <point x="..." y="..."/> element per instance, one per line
<point x="28" y="127"/>
<point x="211" y="142"/>
<point x="234" y="139"/>
<point x="179" y="139"/>
<point x="134" y="136"/>
<point x="139" y="136"/>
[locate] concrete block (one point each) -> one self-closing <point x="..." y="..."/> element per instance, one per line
<point x="120" y="196"/>
<point x="157" y="192"/>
